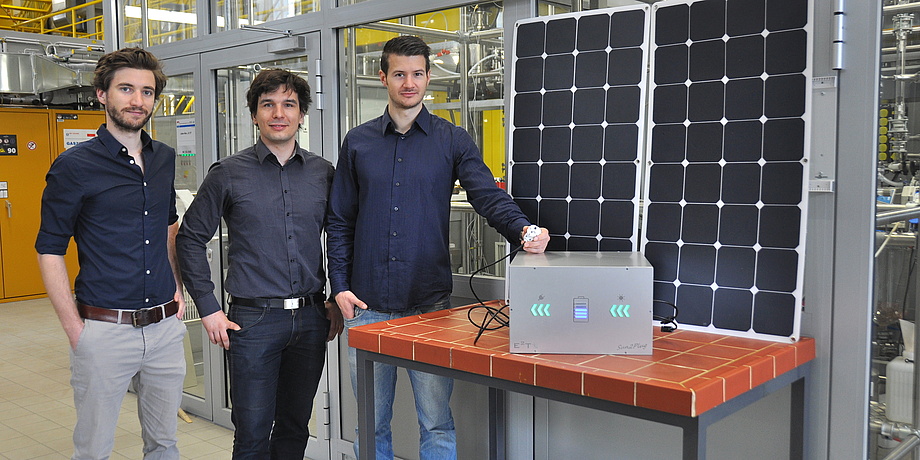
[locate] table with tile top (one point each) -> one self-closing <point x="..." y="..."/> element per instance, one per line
<point x="692" y="379"/>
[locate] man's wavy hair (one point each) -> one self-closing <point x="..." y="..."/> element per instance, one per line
<point x="269" y="80"/>
<point x="128" y="58"/>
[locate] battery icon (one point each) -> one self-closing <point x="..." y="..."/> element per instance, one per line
<point x="580" y="310"/>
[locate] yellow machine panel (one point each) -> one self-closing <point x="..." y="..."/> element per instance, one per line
<point x="24" y="160"/>
<point x="29" y="141"/>
<point x="74" y="126"/>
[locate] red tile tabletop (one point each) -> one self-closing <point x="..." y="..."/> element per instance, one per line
<point x="688" y="373"/>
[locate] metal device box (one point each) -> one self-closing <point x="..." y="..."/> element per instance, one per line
<point x="581" y="303"/>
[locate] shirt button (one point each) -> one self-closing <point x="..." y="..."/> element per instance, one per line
<point x="393" y="259"/>
<point x="288" y="214"/>
<point x="147" y="300"/>
<point x="124" y="149"/>
<point x="399" y="160"/>
<point x="394" y="233"/>
<point x="290" y="236"/>
<point x="396" y="208"/>
<point x="397" y="184"/>
<point x="145" y="213"/>
<point x="146" y="241"/>
<point x="148" y="272"/>
<point x="145" y="183"/>
<point x="285" y="191"/>
<point x="402" y="137"/>
<point x="131" y="161"/>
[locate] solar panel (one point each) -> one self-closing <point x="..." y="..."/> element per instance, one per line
<point x="726" y="179"/>
<point x="721" y="149"/>
<point x="578" y="105"/>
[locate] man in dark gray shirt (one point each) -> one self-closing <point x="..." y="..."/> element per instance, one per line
<point x="273" y="198"/>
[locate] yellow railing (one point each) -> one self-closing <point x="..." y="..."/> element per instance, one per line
<point x="39" y="24"/>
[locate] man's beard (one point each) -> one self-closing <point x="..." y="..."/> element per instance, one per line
<point x="123" y="123"/>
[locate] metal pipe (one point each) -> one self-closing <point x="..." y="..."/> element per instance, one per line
<point x="885" y="180"/>
<point x="886" y="218"/>
<point x="464" y="80"/>
<point x="900" y="8"/>
<point x="906" y="447"/>
<point x="909" y="437"/>
<point x="891" y="207"/>
<point x="145" y="25"/>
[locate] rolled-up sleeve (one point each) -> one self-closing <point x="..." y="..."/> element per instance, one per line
<point x="199" y="224"/>
<point x="61" y="203"/>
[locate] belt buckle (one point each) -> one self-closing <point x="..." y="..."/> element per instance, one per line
<point x="135" y="318"/>
<point x="146" y="316"/>
<point x="293" y="304"/>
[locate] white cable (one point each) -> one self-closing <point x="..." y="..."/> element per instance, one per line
<point x="887" y="238"/>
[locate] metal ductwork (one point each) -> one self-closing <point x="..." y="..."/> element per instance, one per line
<point x="35" y="74"/>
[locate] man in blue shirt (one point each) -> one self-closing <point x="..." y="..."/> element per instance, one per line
<point x="114" y="195"/>
<point x="273" y="198"/>
<point x="388" y="229"/>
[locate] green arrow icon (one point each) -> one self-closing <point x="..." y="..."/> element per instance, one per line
<point x="619" y="311"/>
<point x="539" y="309"/>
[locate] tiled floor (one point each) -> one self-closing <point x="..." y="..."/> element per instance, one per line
<point x="36" y="401"/>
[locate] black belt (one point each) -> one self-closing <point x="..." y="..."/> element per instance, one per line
<point x="137" y="318"/>
<point x="291" y="303"/>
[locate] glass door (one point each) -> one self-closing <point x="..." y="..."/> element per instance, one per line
<point x="229" y="129"/>
<point x="174" y="123"/>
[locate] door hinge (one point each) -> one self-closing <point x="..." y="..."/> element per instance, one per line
<point x="318" y="83"/>
<point x="327" y="417"/>
<point x="839" y="34"/>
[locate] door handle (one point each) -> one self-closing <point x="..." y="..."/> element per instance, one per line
<point x="9" y="209"/>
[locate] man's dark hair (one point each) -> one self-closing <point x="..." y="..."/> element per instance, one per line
<point x="404" y="45"/>
<point x="269" y="80"/>
<point x="128" y="58"/>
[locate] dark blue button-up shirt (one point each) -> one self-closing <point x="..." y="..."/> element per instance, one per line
<point x="275" y="216"/>
<point x="118" y="215"/>
<point x="390" y="210"/>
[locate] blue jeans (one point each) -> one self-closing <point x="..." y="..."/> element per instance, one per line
<point x="276" y="361"/>
<point x="437" y="436"/>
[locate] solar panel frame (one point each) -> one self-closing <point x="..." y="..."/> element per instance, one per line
<point x="714" y="136"/>
<point x="740" y="199"/>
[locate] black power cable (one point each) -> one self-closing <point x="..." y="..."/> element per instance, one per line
<point x="492" y="314"/>
<point x="668" y="323"/>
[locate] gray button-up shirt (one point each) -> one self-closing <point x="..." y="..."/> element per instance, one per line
<point x="275" y="218"/>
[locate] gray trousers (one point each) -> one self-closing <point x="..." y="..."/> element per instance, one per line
<point x="107" y="359"/>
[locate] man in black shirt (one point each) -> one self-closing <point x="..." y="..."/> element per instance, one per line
<point x="273" y="198"/>
<point x="114" y="195"/>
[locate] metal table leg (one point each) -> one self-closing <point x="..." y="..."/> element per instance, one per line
<point x="367" y="442"/>
<point x="496" y="424"/>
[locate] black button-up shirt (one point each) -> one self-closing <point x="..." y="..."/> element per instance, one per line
<point x="275" y="217"/>
<point x="390" y="210"/>
<point x="119" y="217"/>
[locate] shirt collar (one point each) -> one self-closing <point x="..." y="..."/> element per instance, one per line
<point x="113" y="146"/>
<point x="262" y="151"/>
<point x="422" y="121"/>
